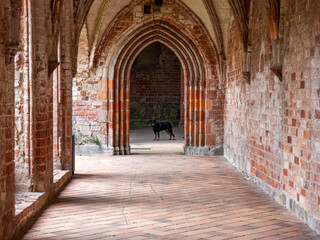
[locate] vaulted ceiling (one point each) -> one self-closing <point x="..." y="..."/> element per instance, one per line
<point x="96" y="15"/>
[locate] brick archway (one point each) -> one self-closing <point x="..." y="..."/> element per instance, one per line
<point x="117" y="73"/>
<point x="125" y="38"/>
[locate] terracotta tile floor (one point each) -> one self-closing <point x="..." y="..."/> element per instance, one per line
<point x="164" y="196"/>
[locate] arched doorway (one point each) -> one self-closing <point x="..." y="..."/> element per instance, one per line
<point x="118" y="75"/>
<point x="155" y="87"/>
<point x="131" y="32"/>
<point x="156" y="93"/>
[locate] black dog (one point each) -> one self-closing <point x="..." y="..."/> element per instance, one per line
<point x="160" y="126"/>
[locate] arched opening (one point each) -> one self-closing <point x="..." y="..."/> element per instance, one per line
<point x="118" y="71"/>
<point x="156" y="93"/>
<point x="155" y="87"/>
<point x="102" y="91"/>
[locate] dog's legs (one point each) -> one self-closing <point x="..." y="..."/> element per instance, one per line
<point x="169" y="133"/>
<point x="174" y="137"/>
<point x="158" y="135"/>
<point x="155" y="136"/>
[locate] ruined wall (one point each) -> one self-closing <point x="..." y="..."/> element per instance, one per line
<point x="235" y="105"/>
<point x="281" y="117"/>
<point x="155" y="86"/>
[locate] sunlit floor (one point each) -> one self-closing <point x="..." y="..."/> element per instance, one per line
<point x="142" y="142"/>
<point x="158" y="193"/>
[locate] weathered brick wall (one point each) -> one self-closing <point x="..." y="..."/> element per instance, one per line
<point x="264" y="106"/>
<point x="88" y="117"/>
<point x="314" y="194"/>
<point x="155" y="86"/>
<point x="235" y="105"/>
<point x="281" y="119"/>
<point x="301" y="159"/>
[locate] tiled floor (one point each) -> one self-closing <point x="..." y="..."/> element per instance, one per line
<point x="164" y="196"/>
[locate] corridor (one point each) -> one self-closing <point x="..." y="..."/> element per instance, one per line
<point x="163" y="195"/>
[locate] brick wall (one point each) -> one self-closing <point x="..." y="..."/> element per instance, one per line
<point x="278" y="121"/>
<point x="301" y="159"/>
<point x="155" y="86"/>
<point x="88" y="118"/>
<point x="235" y="105"/>
<point x="264" y="106"/>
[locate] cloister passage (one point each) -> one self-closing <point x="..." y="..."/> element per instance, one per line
<point x="245" y="75"/>
<point x="164" y="195"/>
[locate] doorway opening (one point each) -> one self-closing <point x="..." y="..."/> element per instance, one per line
<point x="156" y="93"/>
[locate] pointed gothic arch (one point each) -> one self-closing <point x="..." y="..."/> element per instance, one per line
<point x="196" y="72"/>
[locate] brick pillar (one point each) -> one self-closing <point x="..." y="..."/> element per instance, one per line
<point x="182" y="105"/>
<point x="110" y="120"/>
<point x="187" y="127"/>
<point x="41" y="102"/>
<point x="7" y="209"/>
<point x="9" y="40"/>
<point x="201" y="116"/>
<point x="66" y="85"/>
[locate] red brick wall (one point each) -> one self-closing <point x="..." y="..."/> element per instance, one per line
<point x="264" y="106"/>
<point x="279" y="121"/>
<point x="301" y="159"/>
<point x="88" y="118"/>
<point x="234" y="124"/>
<point x="155" y="86"/>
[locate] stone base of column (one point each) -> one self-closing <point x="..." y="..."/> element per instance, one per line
<point x="121" y="150"/>
<point x="204" y="151"/>
<point x="90" y="150"/>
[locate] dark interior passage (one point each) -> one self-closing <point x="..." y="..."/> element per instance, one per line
<point x="155" y="86"/>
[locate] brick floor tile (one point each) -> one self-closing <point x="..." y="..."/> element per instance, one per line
<point x="168" y="197"/>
